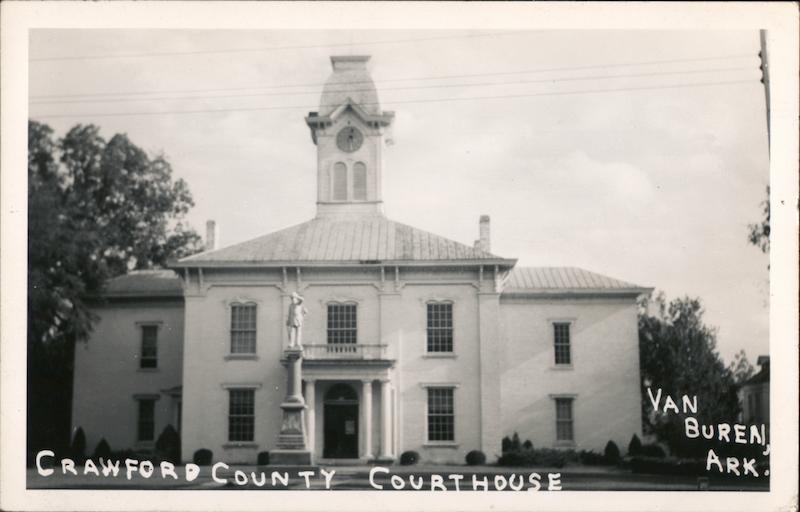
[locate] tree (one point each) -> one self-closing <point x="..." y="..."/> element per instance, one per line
<point x="96" y="209"/>
<point x="678" y="355"/>
<point x="759" y="233"/>
<point x="740" y="368"/>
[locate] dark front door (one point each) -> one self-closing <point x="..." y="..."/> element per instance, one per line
<point x="341" y="431"/>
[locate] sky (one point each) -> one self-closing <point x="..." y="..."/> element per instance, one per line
<point x="641" y="155"/>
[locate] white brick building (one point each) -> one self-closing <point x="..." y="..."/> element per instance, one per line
<point x="412" y="342"/>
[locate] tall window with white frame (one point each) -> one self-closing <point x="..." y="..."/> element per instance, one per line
<point x="243" y="328"/>
<point x="561" y="336"/>
<point x="440" y="327"/>
<point x="241" y="415"/>
<point x="342" y="323"/>
<point x="148" y="356"/>
<point x="565" y="426"/>
<point x="146" y="421"/>
<point x="441" y="415"/>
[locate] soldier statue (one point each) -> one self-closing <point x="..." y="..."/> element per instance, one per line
<point x="295" y="321"/>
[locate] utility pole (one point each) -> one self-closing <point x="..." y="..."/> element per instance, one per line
<point x="765" y="73"/>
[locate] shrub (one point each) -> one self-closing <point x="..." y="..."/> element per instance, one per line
<point x="515" y="445"/>
<point x="541" y="457"/>
<point x="591" y="458"/>
<point x="409" y="458"/>
<point x="506" y="444"/>
<point x="611" y="453"/>
<point x="102" y="450"/>
<point x="78" y="447"/>
<point x="476" y="458"/>
<point x="527" y="445"/>
<point x="168" y="445"/>
<point x="635" y="446"/>
<point x="652" y="450"/>
<point x="263" y="458"/>
<point x="202" y="457"/>
<point x="667" y="466"/>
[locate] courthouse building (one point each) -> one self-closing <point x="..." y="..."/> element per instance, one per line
<point x="412" y="341"/>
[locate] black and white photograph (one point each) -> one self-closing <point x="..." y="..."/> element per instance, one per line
<point x="474" y="264"/>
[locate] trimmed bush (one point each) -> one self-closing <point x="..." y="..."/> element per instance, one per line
<point x="611" y="453"/>
<point x="409" y="458"/>
<point x="77" y="449"/>
<point x="635" y="446"/>
<point x="263" y="458"/>
<point x="202" y="457"/>
<point x="102" y="450"/>
<point x="667" y="466"/>
<point x="515" y="444"/>
<point x="527" y="445"/>
<point x="591" y="458"/>
<point x="545" y="457"/>
<point x="652" y="450"/>
<point x="506" y="444"/>
<point x="168" y="445"/>
<point x="476" y="458"/>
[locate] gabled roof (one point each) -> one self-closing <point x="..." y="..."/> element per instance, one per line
<point x="566" y="280"/>
<point x="144" y="283"/>
<point x="343" y="240"/>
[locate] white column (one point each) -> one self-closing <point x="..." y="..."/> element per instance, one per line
<point x="386" y="419"/>
<point x="310" y="416"/>
<point x="366" y="419"/>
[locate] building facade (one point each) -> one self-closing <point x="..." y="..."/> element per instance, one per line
<point x="411" y="342"/>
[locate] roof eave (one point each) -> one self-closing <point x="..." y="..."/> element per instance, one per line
<point x="576" y="292"/>
<point x="503" y="262"/>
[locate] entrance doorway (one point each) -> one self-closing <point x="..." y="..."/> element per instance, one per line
<point x="340" y="423"/>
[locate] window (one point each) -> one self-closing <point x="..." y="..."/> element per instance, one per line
<point x="562" y="350"/>
<point x="241" y="414"/>
<point x="440" y="327"/>
<point x="441" y="418"/>
<point x="360" y="181"/>
<point x="149" y="353"/>
<point x="342" y="323"/>
<point x="146" y="424"/>
<point x="243" y="329"/>
<point x="339" y="182"/>
<point x="564" y="422"/>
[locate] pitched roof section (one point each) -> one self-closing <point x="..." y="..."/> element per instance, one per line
<point x="145" y="283"/>
<point x="360" y="239"/>
<point x="559" y="280"/>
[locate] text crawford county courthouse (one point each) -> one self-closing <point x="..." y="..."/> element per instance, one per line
<point x="411" y="342"/>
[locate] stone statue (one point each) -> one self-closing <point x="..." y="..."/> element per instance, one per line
<point x="294" y="321"/>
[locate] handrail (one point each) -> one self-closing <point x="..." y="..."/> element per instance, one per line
<point x="344" y="351"/>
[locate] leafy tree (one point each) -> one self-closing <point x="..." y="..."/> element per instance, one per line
<point x="740" y="368"/>
<point x="96" y="209"/>
<point x="678" y="354"/>
<point x="759" y="233"/>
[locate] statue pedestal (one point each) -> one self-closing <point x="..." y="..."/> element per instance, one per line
<point x="292" y="449"/>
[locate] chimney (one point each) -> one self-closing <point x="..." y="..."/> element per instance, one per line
<point x="485" y="240"/>
<point x="211" y="235"/>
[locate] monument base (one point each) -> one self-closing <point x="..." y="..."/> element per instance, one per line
<point x="289" y="457"/>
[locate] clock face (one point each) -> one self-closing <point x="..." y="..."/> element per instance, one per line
<point x="349" y="139"/>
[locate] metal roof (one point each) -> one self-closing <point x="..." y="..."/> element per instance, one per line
<point x="565" y="279"/>
<point x="145" y="283"/>
<point x="342" y="240"/>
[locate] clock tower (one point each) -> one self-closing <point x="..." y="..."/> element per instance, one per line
<point x="349" y="131"/>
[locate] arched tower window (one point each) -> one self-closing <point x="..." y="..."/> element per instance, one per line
<point x="360" y="181"/>
<point x="339" y="182"/>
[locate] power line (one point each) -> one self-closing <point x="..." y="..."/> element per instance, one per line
<point x="435" y="86"/>
<point x="432" y="100"/>
<point x="272" y="48"/>
<point x="411" y="79"/>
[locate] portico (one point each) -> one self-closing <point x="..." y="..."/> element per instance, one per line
<point x="350" y="411"/>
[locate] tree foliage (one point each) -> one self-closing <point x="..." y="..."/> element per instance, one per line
<point x="678" y="354"/>
<point x="96" y="209"/>
<point x="759" y="233"/>
<point x="740" y="367"/>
